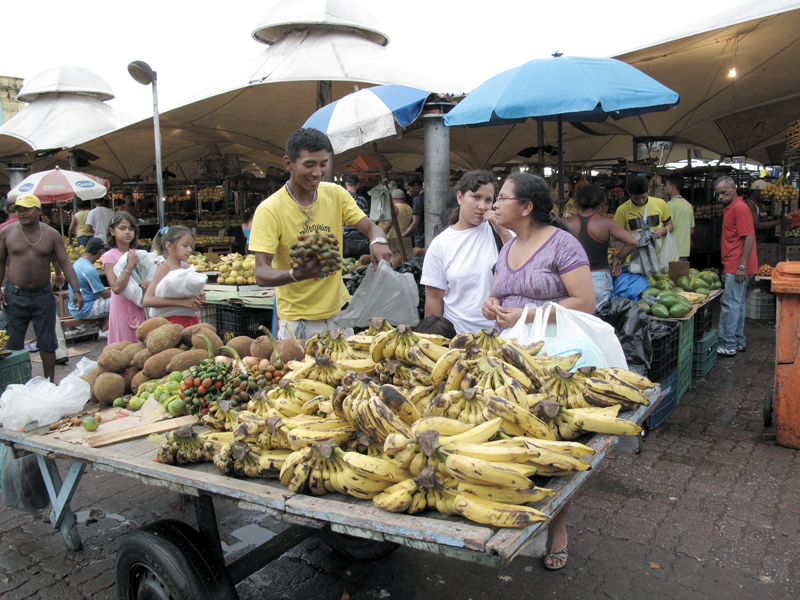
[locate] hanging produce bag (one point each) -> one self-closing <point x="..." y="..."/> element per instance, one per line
<point x="644" y="259"/>
<point x="383" y="293"/>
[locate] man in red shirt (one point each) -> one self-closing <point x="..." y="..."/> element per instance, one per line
<point x="739" y="263"/>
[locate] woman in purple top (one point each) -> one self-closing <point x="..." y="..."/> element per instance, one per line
<point x="542" y="264"/>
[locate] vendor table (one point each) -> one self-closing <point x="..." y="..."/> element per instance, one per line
<point x="352" y="526"/>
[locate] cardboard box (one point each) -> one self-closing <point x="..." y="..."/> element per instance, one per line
<point x="678" y="269"/>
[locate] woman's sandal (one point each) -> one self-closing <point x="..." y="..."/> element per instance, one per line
<point x="562" y="557"/>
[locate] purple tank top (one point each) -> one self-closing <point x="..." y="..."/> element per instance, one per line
<point x="538" y="281"/>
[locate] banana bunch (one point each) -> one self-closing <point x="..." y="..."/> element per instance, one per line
<point x="220" y="416"/>
<point x="488" y="340"/>
<point x="395" y="372"/>
<point x="3" y="338"/>
<point x="334" y="344"/>
<point x="421" y="395"/>
<point x="245" y="460"/>
<point x="467" y="405"/>
<point x="371" y="415"/>
<point x="616" y="386"/>
<point x="573" y="423"/>
<point x="378" y="325"/>
<point x="417" y="350"/>
<point x="307" y="431"/>
<point x="693" y="297"/>
<point x="290" y="398"/>
<point x="182" y="446"/>
<point x="326" y="370"/>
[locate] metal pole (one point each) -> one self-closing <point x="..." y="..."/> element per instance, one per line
<point x="392" y="208"/>
<point x="159" y="175"/>
<point x="436" y="138"/>
<point x="17" y="172"/>
<point x="73" y="166"/>
<point x="560" y="170"/>
<point x="540" y="136"/>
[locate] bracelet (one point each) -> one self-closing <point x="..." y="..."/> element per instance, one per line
<point x="128" y="272"/>
<point x="291" y="274"/>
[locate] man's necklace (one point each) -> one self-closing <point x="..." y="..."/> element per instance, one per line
<point x="41" y="235"/>
<point x="306" y="212"/>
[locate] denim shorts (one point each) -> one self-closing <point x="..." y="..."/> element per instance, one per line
<point x="603" y="286"/>
<point x="24" y="306"/>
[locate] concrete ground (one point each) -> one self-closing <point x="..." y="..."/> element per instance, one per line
<point x="709" y="509"/>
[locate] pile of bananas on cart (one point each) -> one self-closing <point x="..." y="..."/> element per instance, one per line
<point x="417" y="421"/>
<point x="3" y="339"/>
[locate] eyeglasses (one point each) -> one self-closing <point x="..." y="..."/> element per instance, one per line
<point x="504" y="198"/>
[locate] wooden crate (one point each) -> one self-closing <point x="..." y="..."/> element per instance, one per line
<point x="768" y="254"/>
<point x="62" y="298"/>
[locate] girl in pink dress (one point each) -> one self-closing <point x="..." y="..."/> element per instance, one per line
<point x="125" y="316"/>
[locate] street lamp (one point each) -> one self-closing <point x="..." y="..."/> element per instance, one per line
<point x="142" y="73"/>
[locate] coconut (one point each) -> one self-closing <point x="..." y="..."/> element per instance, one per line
<point x="108" y="387"/>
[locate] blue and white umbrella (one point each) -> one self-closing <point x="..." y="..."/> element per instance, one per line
<point x="368" y="115"/>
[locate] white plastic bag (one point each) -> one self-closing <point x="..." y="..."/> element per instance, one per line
<point x="573" y="331"/>
<point x="42" y="401"/>
<point x="669" y="251"/>
<point x="182" y="283"/>
<point x="380" y="203"/>
<point x="143" y="271"/>
<point x="385" y="293"/>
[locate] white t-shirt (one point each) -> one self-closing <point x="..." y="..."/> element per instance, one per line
<point x="99" y="218"/>
<point x="461" y="263"/>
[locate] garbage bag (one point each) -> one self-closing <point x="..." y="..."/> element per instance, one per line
<point x="23" y="485"/>
<point x="632" y="327"/>
<point x="629" y="285"/>
<point x="644" y="259"/>
<point x="383" y="293"/>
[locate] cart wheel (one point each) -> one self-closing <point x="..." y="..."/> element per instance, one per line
<point x="168" y="560"/>
<point x="355" y="547"/>
<point x="768" y="409"/>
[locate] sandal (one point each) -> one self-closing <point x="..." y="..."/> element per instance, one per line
<point x="559" y="556"/>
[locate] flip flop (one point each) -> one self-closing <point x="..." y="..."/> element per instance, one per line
<point x="559" y="556"/>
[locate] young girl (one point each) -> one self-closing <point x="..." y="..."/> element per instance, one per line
<point x="122" y="237"/>
<point x="175" y="245"/>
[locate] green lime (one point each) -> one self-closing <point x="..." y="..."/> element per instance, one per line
<point x="119" y="403"/>
<point x="90" y="423"/>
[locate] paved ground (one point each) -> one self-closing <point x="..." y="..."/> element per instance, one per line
<point x="710" y="509"/>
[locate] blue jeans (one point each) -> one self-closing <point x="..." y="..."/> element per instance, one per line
<point x="83" y="239"/>
<point x="732" y="311"/>
<point x="603" y="286"/>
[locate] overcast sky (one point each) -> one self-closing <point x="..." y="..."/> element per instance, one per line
<point x="189" y="44"/>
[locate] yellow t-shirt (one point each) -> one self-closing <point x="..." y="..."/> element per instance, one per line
<point x="80" y="219"/>
<point x="629" y="216"/>
<point x="278" y="221"/>
<point x="404" y="216"/>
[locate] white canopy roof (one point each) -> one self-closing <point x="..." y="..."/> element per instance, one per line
<point x="72" y="80"/>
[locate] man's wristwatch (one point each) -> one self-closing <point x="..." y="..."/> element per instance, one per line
<point x="742" y="267"/>
<point x="379" y="240"/>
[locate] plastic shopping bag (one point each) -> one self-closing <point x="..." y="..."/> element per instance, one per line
<point x="573" y="331"/>
<point x="380" y="203"/>
<point x="23" y="485"/>
<point x="669" y="251"/>
<point x="182" y="283"/>
<point x="143" y="271"/>
<point x="383" y="293"/>
<point x="45" y="402"/>
<point x="644" y="259"/>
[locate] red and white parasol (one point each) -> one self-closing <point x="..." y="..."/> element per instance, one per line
<point x="60" y="186"/>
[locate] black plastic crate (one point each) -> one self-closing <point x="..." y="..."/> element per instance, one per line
<point x="702" y="320"/>
<point x="234" y="320"/>
<point x="665" y="354"/>
<point x="669" y="402"/>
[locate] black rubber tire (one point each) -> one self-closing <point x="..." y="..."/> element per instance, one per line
<point x="355" y="547"/>
<point x="768" y="409"/>
<point x="169" y="560"/>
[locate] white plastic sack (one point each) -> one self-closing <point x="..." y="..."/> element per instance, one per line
<point x="385" y="293"/>
<point x="573" y="331"/>
<point x="182" y="283"/>
<point x="669" y="250"/>
<point x="45" y="402"/>
<point x="143" y="271"/>
<point x="380" y="204"/>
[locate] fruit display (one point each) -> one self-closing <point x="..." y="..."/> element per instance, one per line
<point x="210" y="240"/>
<point x="74" y="250"/>
<point x="3" y="339"/>
<point x="707" y="211"/>
<point x="616" y="196"/>
<point x="795" y="232"/>
<point x="211" y="194"/>
<point x="200" y="262"/>
<point x="408" y="420"/>
<point x="235" y="269"/>
<point x="323" y="246"/>
<point x="781" y="190"/>
<point x="612" y="252"/>
<point x="765" y="271"/>
<point x="665" y="299"/>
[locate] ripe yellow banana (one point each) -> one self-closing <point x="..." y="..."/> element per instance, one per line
<point x="394" y="499"/>
<point x="361" y="365"/>
<point x="497" y="514"/>
<point x="378" y="344"/>
<point x="444" y="365"/>
<point x="598" y="423"/>
<point x="397" y="401"/>
<point x="361" y="342"/>
<point x="530" y="424"/>
<point x="473" y="470"/>
<point x="477" y="435"/>
<point x="431" y="350"/>
<point x="504" y="494"/>
<point x="443" y="425"/>
<point x="313" y="387"/>
<point x="373" y="467"/>
<point x="498" y="454"/>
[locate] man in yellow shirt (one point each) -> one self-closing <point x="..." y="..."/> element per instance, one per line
<point x="630" y="215"/>
<point x="307" y="298"/>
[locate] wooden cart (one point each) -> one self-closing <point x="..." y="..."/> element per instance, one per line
<point x="170" y="559"/>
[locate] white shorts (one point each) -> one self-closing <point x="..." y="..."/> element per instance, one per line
<point x="100" y="308"/>
<point x="306" y="329"/>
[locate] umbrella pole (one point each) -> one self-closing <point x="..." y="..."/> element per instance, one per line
<point x="540" y="136"/>
<point x="560" y="170"/>
<point x="395" y="224"/>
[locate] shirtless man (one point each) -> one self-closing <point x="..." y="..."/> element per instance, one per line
<point x="28" y="293"/>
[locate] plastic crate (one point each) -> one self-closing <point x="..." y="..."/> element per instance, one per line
<point x="15" y="369"/>
<point x="702" y="320"/>
<point x="669" y="391"/>
<point x="234" y="320"/>
<point x="705" y="354"/>
<point x="684" y="375"/>
<point x="760" y="305"/>
<point x="665" y="355"/>
<point x="685" y="337"/>
<point x="208" y="314"/>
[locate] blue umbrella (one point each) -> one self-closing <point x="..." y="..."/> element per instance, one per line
<point x="569" y="88"/>
<point x="368" y="115"/>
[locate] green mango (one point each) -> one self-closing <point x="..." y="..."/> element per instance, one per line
<point x="653" y="291"/>
<point x="665" y="270"/>
<point x="685" y="301"/>
<point x="716" y="285"/>
<point x="643" y="305"/>
<point x="678" y="310"/>
<point x="702" y="290"/>
<point x="714" y="276"/>
<point x="668" y="300"/>
<point x="659" y="310"/>
<point x="662" y="285"/>
<point x="693" y="272"/>
<point x="706" y="276"/>
<point x="683" y="283"/>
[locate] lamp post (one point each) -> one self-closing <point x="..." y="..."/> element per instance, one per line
<point x="143" y="74"/>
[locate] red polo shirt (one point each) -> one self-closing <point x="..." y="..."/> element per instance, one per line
<point x="737" y="222"/>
